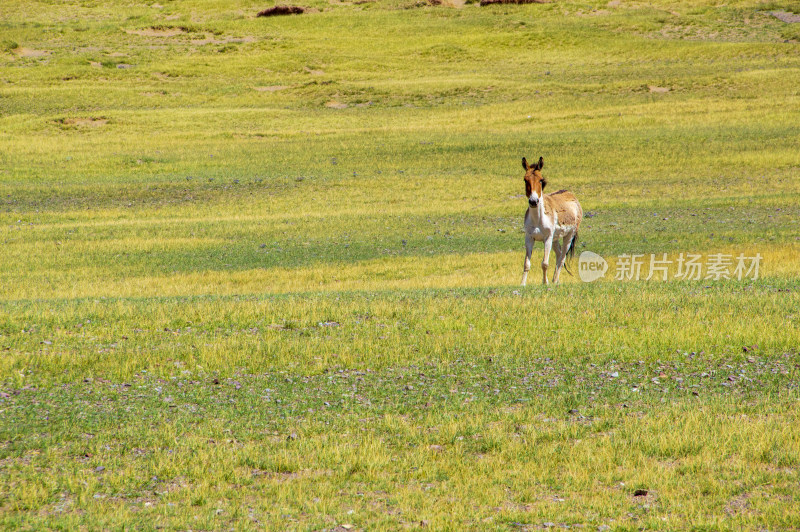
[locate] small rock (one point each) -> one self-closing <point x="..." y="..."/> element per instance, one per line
<point x="99" y="469"/>
<point x="292" y="436"/>
<point x="615" y="375"/>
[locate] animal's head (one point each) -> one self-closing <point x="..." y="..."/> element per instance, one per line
<point x="534" y="182"/>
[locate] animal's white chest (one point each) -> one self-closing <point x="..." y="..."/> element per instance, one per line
<point x="535" y="232"/>
<point x="539" y="227"/>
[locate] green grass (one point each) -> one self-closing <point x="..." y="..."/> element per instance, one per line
<point x="262" y="272"/>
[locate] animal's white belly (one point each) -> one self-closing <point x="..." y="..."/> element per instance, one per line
<point x="563" y="230"/>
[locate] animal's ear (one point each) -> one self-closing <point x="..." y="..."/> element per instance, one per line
<point x="541" y="164"/>
<point x="524" y="163"/>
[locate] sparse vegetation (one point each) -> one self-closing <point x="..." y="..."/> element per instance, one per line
<point x="276" y="287"/>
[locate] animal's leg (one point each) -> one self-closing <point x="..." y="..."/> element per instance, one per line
<point x="559" y="259"/>
<point x="526" y="265"/>
<point x="548" y="243"/>
<point x="565" y="248"/>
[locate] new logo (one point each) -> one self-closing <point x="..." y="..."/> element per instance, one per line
<point x="591" y="266"/>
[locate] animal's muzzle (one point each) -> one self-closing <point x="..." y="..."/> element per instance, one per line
<point x="533" y="202"/>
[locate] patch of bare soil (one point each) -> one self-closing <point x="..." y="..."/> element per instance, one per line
<point x="157" y="31"/>
<point x="28" y="52"/>
<point x="458" y="4"/>
<point x="653" y="88"/>
<point x="85" y="122"/>
<point x="493" y="2"/>
<point x="281" y="10"/>
<point x="271" y="88"/>
<point x="333" y="104"/>
<point x="738" y="505"/>
<point x="785" y="16"/>
<point x="226" y="40"/>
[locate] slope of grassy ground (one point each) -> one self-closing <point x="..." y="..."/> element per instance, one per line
<point x="262" y="272"/>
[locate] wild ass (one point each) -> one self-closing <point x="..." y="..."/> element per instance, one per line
<point x="548" y="219"/>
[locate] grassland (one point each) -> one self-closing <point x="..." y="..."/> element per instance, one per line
<point x="262" y="272"/>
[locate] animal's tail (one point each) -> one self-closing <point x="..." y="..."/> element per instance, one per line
<point x="571" y="251"/>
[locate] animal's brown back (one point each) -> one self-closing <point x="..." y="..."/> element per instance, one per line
<point x="566" y="205"/>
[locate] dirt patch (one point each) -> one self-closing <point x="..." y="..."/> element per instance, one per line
<point x="333" y="104"/>
<point x="519" y="2"/>
<point x="28" y="52"/>
<point x="227" y="40"/>
<point x="653" y="88"/>
<point x="83" y="122"/>
<point x="271" y="88"/>
<point x="281" y="10"/>
<point x="738" y="505"/>
<point x="785" y="16"/>
<point x="435" y="3"/>
<point x="157" y="31"/>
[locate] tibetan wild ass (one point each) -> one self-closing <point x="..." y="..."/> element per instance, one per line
<point x="553" y="219"/>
